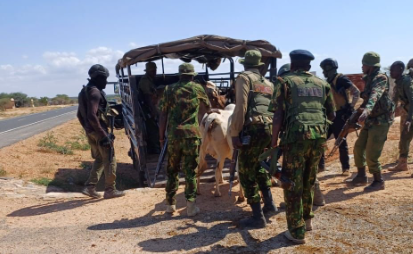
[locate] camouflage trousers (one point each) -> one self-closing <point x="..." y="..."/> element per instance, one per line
<point x="101" y="164"/>
<point x="183" y="152"/>
<point x="300" y="165"/>
<point x="405" y="137"/>
<point x="252" y="176"/>
<point x="369" y="145"/>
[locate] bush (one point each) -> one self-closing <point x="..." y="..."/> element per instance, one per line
<point x="41" y="181"/>
<point x="50" y="142"/>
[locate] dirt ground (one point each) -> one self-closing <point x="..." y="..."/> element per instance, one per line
<point x="9" y="113"/>
<point x="32" y="221"/>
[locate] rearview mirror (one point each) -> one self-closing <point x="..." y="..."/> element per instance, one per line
<point x="116" y="88"/>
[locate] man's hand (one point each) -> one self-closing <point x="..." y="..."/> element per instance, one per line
<point x="363" y="116"/>
<point x="236" y="142"/>
<point x="162" y="143"/>
<point x="111" y="136"/>
<point x="407" y="126"/>
<point x="213" y="110"/>
<point x="106" y="141"/>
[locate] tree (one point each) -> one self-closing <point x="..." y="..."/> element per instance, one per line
<point x="20" y="99"/>
<point x="43" y="101"/>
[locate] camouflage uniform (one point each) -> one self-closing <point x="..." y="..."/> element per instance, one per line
<point x="257" y="125"/>
<point x="147" y="88"/>
<point x="373" y="135"/>
<point x="181" y="102"/>
<point x="404" y="94"/>
<point x="302" y="142"/>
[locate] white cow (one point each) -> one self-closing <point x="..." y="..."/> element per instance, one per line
<point x="216" y="142"/>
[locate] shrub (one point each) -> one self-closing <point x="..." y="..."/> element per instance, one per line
<point x="50" y="142"/>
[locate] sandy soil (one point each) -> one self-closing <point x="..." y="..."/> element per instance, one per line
<point x="351" y="222"/>
<point x="9" y="113"/>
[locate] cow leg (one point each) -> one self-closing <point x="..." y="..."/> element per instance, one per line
<point x="241" y="197"/>
<point x="218" y="176"/>
<point x="201" y="168"/>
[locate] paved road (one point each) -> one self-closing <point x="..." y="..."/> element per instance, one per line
<point x="19" y="128"/>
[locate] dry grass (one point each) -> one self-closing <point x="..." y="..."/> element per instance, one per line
<point x="9" y="113"/>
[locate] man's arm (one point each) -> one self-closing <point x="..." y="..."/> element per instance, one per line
<point x="346" y="83"/>
<point x="329" y="105"/>
<point x="92" y="110"/>
<point x="409" y="93"/>
<point x="277" y="106"/>
<point x="378" y="88"/>
<point x="163" y="116"/>
<point x="241" y="103"/>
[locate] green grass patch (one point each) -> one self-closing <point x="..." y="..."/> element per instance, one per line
<point x="41" y="181"/>
<point x="76" y="145"/>
<point x="50" y="142"/>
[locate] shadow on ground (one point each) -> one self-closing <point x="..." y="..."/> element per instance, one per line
<point x="51" y="208"/>
<point x="73" y="180"/>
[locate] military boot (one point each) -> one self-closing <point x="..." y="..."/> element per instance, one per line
<point x="360" y="179"/>
<point x="112" y="193"/>
<point x="170" y="208"/>
<point x="318" y="195"/>
<point x="90" y="191"/>
<point x="401" y="165"/>
<point x="377" y="184"/>
<point x="191" y="208"/>
<point x="308" y="225"/>
<point x="269" y="207"/>
<point x="257" y="219"/>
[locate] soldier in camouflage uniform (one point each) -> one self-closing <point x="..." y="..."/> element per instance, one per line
<point x="404" y="95"/>
<point x="179" y="106"/>
<point x="377" y="116"/>
<point x="251" y="118"/>
<point x="149" y="96"/>
<point x="302" y="104"/>
<point x="92" y="114"/>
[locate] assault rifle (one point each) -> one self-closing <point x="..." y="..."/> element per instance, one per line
<point x="111" y="120"/>
<point x="232" y="170"/>
<point x="160" y="161"/>
<point x="351" y="124"/>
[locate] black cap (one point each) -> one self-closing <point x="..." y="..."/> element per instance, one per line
<point x="301" y="55"/>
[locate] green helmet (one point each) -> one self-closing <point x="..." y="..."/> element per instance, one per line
<point x="284" y="69"/>
<point x="371" y="59"/>
<point x="98" y="70"/>
<point x="187" y="69"/>
<point x="410" y="64"/>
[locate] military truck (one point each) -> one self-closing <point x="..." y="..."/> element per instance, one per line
<point x="208" y="50"/>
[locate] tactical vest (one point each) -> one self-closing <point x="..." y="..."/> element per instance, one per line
<point x="308" y="95"/>
<point x="384" y="106"/>
<point x="102" y="111"/>
<point x="259" y="98"/>
<point x="339" y="99"/>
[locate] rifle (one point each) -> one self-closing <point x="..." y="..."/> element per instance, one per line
<point x="160" y="161"/>
<point x="232" y="169"/>
<point x="351" y="124"/>
<point x="111" y="125"/>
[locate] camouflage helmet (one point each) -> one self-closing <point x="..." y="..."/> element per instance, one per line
<point x="98" y="70"/>
<point x="410" y="64"/>
<point x="284" y="69"/>
<point x="252" y="58"/>
<point x="328" y="63"/>
<point x="371" y="59"/>
<point x="187" y="69"/>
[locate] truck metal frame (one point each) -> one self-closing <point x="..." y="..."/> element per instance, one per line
<point x="203" y="49"/>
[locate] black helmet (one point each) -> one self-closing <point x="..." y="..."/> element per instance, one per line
<point x="98" y="70"/>
<point x="284" y="69"/>
<point x="329" y="62"/>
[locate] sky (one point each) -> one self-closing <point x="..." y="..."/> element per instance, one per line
<point x="47" y="46"/>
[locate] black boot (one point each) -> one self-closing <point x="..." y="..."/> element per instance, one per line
<point x="377" y="184"/>
<point x="257" y="219"/>
<point x="361" y="177"/>
<point x="269" y="207"/>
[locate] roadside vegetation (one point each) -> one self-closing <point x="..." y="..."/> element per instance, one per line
<point x="21" y="100"/>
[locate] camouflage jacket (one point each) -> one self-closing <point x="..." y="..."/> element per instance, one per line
<point x="181" y="103"/>
<point x="377" y="100"/>
<point x="404" y="94"/>
<point x="282" y="98"/>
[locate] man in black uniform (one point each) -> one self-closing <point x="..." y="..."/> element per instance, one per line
<point x="343" y="89"/>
